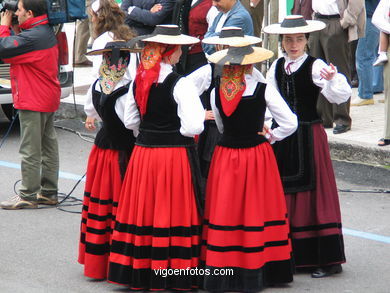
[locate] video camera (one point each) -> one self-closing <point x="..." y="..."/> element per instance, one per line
<point x="58" y="11"/>
<point x="11" y="5"/>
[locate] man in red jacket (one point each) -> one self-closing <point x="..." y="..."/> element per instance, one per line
<point x="33" y="55"/>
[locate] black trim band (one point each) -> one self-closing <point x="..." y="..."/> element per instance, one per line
<point x="245" y="228"/>
<point x="179" y="231"/>
<point x="246" y="249"/>
<point x="155" y="253"/>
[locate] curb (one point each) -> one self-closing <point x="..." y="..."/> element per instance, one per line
<point x="359" y="153"/>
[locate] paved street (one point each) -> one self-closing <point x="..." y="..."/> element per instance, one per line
<point x="38" y="248"/>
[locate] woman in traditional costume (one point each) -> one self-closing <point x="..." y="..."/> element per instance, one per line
<point x="303" y="158"/>
<point x="105" y="101"/>
<point x="245" y="233"/>
<point x="158" y="222"/>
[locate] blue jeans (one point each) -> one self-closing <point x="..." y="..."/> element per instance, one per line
<point x="370" y="77"/>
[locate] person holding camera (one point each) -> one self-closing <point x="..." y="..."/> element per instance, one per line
<point x="33" y="55"/>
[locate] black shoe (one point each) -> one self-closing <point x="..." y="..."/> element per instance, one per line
<point x="327" y="271"/>
<point x="339" y="128"/>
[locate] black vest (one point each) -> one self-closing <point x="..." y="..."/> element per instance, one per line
<point x="294" y="154"/>
<point x="160" y="125"/>
<point x="299" y="90"/>
<point x="113" y="134"/>
<point x="242" y="126"/>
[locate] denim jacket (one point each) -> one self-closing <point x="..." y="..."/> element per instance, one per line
<point x="237" y="16"/>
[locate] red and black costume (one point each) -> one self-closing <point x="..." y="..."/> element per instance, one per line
<point x="158" y="225"/>
<point x="307" y="174"/>
<point x="106" y="168"/>
<point x="246" y="226"/>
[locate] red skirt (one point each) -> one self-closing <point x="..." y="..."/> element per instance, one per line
<point x="314" y="215"/>
<point x="246" y="226"/>
<point x="102" y="189"/>
<point x="157" y="224"/>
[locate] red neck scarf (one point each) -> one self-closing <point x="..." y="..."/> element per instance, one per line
<point x="232" y="86"/>
<point x="148" y="71"/>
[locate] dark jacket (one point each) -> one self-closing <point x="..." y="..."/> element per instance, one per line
<point x="237" y="16"/>
<point x="141" y="19"/>
<point x="33" y="55"/>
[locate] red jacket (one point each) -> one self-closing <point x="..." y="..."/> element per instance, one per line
<point x="33" y="55"/>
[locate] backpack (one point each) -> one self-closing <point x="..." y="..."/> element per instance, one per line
<point x="62" y="11"/>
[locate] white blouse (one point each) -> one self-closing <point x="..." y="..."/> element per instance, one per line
<point x="189" y="109"/>
<point x="328" y="7"/>
<point x="337" y="90"/>
<point x="381" y="18"/>
<point x="286" y="119"/>
<point x="99" y="43"/>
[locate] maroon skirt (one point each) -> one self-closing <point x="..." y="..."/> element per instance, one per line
<point x="246" y="227"/>
<point x="314" y="215"/>
<point x="102" y="189"/>
<point x="158" y="224"/>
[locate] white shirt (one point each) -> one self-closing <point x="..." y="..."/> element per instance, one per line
<point x="325" y="7"/>
<point x="221" y="22"/>
<point x="286" y="119"/>
<point x="189" y="106"/>
<point x="336" y="90"/>
<point x="201" y="78"/>
<point x="211" y="14"/>
<point x="380" y="18"/>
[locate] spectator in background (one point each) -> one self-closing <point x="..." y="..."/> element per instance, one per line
<point x="303" y="7"/>
<point x="381" y="19"/>
<point x="256" y="11"/>
<point x="83" y="33"/>
<point x="231" y="13"/>
<point x="201" y="15"/>
<point x="370" y="77"/>
<point x="144" y="15"/>
<point x="345" y="22"/>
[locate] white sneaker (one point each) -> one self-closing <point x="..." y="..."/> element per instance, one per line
<point x="382" y="59"/>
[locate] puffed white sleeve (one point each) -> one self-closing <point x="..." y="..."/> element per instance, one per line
<point x="217" y="116"/>
<point x="271" y="75"/>
<point x="89" y="108"/>
<point x="131" y="118"/>
<point x="201" y="78"/>
<point x="189" y="107"/>
<point x="272" y="81"/>
<point x="120" y="106"/>
<point x="380" y="18"/>
<point x="282" y="114"/>
<point x="337" y="90"/>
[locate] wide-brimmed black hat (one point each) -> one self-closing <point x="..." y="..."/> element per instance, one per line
<point x="232" y="36"/>
<point x="294" y="24"/>
<point x="119" y="45"/>
<point x="166" y="34"/>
